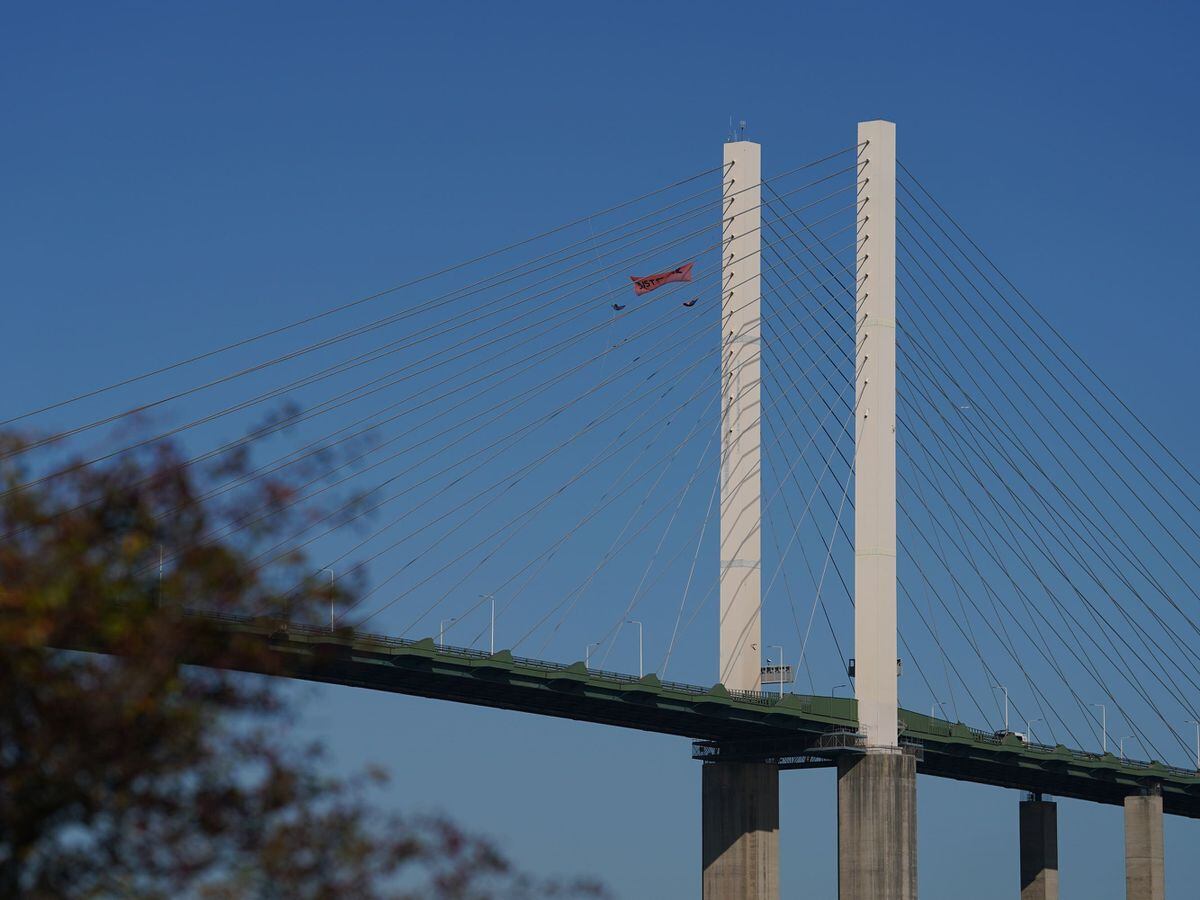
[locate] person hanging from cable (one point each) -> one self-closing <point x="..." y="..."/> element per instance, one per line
<point x="617" y="307"/>
<point x="647" y="283"/>
<point x="690" y="303"/>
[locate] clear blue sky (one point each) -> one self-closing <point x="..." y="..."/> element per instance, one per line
<point x="178" y="175"/>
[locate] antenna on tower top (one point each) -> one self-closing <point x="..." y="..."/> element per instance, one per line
<point x="741" y="129"/>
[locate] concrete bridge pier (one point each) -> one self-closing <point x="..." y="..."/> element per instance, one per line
<point x="1039" y="849"/>
<point x="1144" y="868"/>
<point x="740" y="831"/>
<point x="877" y="825"/>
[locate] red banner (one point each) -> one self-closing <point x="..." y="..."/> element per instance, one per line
<point x="648" y="283"/>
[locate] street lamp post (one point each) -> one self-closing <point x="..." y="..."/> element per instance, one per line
<point x="835" y="689"/>
<point x="331" y="620"/>
<point x="1000" y="687"/>
<point x="641" y="673"/>
<point x="1121" y="746"/>
<point x="492" y="634"/>
<point x="1029" y="723"/>
<point x="933" y="707"/>
<point x="780" y="649"/>
<point x="442" y="630"/>
<point x="1103" y="726"/>
<point x="587" y="654"/>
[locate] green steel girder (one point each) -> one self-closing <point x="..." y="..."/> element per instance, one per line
<point x="786" y="725"/>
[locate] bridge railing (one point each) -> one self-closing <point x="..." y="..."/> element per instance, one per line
<point x="760" y="697"/>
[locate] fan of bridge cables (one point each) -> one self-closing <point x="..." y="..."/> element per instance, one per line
<point x="520" y="452"/>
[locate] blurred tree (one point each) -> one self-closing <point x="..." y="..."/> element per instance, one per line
<point x="130" y="775"/>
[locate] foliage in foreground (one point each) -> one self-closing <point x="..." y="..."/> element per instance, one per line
<point x="129" y="775"/>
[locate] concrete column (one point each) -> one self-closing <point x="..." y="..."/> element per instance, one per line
<point x="741" y="417"/>
<point x="877" y="826"/>
<point x="1144" y="874"/>
<point x="1039" y="850"/>
<point x="740" y="825"/>
<point x="875" y="437"/>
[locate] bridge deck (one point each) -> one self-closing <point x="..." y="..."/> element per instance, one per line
<point x="791" y="728"/>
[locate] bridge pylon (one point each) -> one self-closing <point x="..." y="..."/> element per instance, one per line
<point x="740" y="816"/>
<point x="877" y="789"/>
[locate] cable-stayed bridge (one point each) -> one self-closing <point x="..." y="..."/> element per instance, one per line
<point x="844" y="449"/>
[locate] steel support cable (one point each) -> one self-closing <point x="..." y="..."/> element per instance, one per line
<point x="829" y="411"/>
<point x="508" y="401"/>
<point x="791" y="603"/>
<point x="1153" y="459"/>
<point x="771" y="501"/>
<point x="511" y="479"/>
<point x="543" y="559"/>
<point x="817" y="482"/>
<point x="674" y="502"/>
<point x="1031" y="515"/>
<point x="829" y="504"/>
<point x="1085" y="518"/>
<point x="287" y="422"/>
<point x="551" y="551"/>
<point x="943" y="556"/>
<point x="853" y="280"/>
<point x="787" y="509"/>
<point x="993" y="598"/>
<point x="666" y="465"/>
<point x="1005" y="640"/>
<point x="1125" y="551"/>
<point x="937" y="637"/>
<point x="849" y="594"/>
<point x="1084" y="564"/>
<point x="703" y="600"/>
<point x="1087" y="413"/>
<point x="991" y="676"/>
<point x="1088" y="665"/>
<point x="851" y="294"/>
<point x="437" y="302"/>
<point x="515" y="521"/>
<point x="1186" y="583"/>
<point x="831" y="274"/>
<point x="662" y="668"/>
<point x="614" y="408"/>
<point x="514" y="435"/>
<point x="369" y="356"/>
<point x="849" y="288"/>
<point x="370" y="509"/>
<point x="301" y="498"/>
<point x="829" y="544"/>
<point x="1173" y="688"/>
<point x="767" y="507"/>
<point x="588" y="581"/>
<point x="734" y="553"/>
<point x="1129" y="678"/>
<point x="837" y="524"/>
<point x="333" y="402"/>
<point x="900" y="583"/>
<point x="517" y="476"/>
<point x="343" y="307"/>
<point x="846" y="330"/>
<point x="787" y="585"/>
<point x="322" y="443"/>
